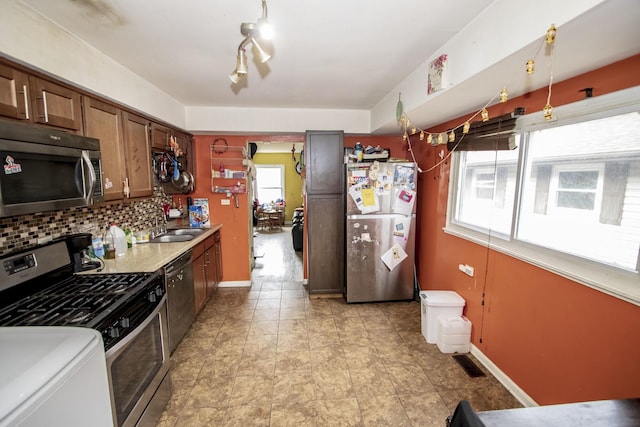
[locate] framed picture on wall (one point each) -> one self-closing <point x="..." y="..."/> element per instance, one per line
<point x="437" y="78"/>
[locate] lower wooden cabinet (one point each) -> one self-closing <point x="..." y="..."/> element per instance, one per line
<point x="213" y="262"/>
<point x="207" y="269"/>
<point x="199" y="277"/>
<point x="325" y="243"/>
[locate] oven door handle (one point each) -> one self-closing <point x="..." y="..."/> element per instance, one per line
<point x="120" y="346"/>
<point x="90" y="176"/>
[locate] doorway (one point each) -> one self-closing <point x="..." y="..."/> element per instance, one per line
<point x="277" y="192"/>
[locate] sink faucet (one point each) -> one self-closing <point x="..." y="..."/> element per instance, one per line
<point x="159" y="230"/>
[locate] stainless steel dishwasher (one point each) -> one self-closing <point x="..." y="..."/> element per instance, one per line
<point x="178" y="276"/>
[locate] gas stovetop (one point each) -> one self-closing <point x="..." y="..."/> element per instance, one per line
<point x="78" y="300"/>
<point x="38" y="288"/>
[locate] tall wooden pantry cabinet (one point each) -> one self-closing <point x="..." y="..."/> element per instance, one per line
<point x="324" y="184"/>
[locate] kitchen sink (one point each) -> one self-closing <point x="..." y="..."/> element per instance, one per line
<point x="178" y="235"/>
<point x="185" y="232"/>
<point x="170" y="238"/>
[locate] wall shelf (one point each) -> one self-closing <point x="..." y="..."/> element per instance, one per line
<point x="228" y="169"/>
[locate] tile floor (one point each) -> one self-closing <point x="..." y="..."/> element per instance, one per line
<point x="270" y="356"/>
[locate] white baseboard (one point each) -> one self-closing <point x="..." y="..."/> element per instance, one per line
<point x="235" y="284"/>
<point x="507" y="382"/>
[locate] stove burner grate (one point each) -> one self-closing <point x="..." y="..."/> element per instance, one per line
<point x="77" y="301"/>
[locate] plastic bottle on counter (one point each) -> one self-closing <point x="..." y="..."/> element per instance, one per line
<point x="109" y="244"/>
<point x="98" y="246"/>
<point x="129" y="235"/>
<point x="119" y="240"/>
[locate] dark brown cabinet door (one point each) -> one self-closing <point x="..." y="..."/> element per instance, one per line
<point x="325" y="243"/>
<point x="137" y="155"/>
<point x="324" y="161"/>
<point x="210" y="271"/>
<point x="199" y="282"/>
<point x="14" y="94"/>
<point x="217" y="247"/>
<point x="160" y="137"/>
<point x="55" y="105"/>
<point x="104" y="121"/>
<point x="185" y="142"/>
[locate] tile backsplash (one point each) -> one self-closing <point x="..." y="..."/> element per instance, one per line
<point x="23" y="231"/>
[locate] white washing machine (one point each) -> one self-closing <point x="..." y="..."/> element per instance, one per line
<point x="53" y="376"/>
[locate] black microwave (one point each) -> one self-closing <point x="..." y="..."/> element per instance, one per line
<point x="46" y="169"/>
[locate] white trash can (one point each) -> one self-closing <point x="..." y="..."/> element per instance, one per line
<point x="437" y="305"/>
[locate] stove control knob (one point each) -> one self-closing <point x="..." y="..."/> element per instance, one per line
<point x="114" y="332"/>
<point x="159" y="292"/>
<point x="124" y="322"/>
<point x="152" y="296"/>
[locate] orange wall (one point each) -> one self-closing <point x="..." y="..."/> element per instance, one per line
<point x="558" y="340"/>
<point x="235" y="221"/>
<point x="235" y="237"/>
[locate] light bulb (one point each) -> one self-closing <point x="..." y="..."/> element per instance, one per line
<point x="234" y="77"/>
<point x="504" y="95"/>
<point x="531" y="65"/>
<point x="265" y="29"/>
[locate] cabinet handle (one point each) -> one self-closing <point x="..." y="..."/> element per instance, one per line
<point x="44" y="100"/>
<point x="26" y="102"/>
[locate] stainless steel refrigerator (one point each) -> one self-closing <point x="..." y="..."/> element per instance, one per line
<point x="380" y="231"/>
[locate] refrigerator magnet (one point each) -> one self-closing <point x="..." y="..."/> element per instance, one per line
<point x="403" y="204"/>
<point x="393" y="257"/>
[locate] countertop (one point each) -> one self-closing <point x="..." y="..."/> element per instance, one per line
<point x="150" y="257"/>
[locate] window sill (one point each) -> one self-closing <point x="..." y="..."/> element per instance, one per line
<point x="618" y="283"/>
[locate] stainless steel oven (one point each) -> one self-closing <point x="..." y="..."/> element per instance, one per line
<point x="138" y="367"/>
<point x="38" y="288"/>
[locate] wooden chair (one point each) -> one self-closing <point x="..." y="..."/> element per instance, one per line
<point x="275" y="220"/>
<point x="264" y="221"/>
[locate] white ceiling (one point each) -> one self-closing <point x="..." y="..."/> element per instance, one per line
<point x="330" y="54"/>
<point x="326" y="54"/>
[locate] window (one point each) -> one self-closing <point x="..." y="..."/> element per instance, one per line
<point x="269" y="183"/>
<point x="567" y="199"/>
<point x="487" y="189"/>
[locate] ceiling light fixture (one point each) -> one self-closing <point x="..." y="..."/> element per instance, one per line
<point x="253" y="33"/>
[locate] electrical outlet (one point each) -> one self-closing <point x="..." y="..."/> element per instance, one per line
<point x="225" y="202"/>
<point x="466" y="269"/>
<point x="43" y="240"/>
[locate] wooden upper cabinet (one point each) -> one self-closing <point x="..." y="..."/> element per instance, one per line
<point x="160" y="136"/>
<point x="14" y="94"/>
<point x="55" y="105"/>
<point x="324" y="162"/>
<point x="185" y="142"/>
<point x="104" y="121"/>
<point x="137" y="154"/>
<point x="125" y="149"/>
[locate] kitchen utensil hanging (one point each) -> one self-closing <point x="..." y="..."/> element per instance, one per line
<point x="184" y="182"/>
<point x="165" y="167"/>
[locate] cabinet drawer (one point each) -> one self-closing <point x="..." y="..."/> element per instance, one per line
<point x="198" y="250"/>
<point x="209" y="241"/>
